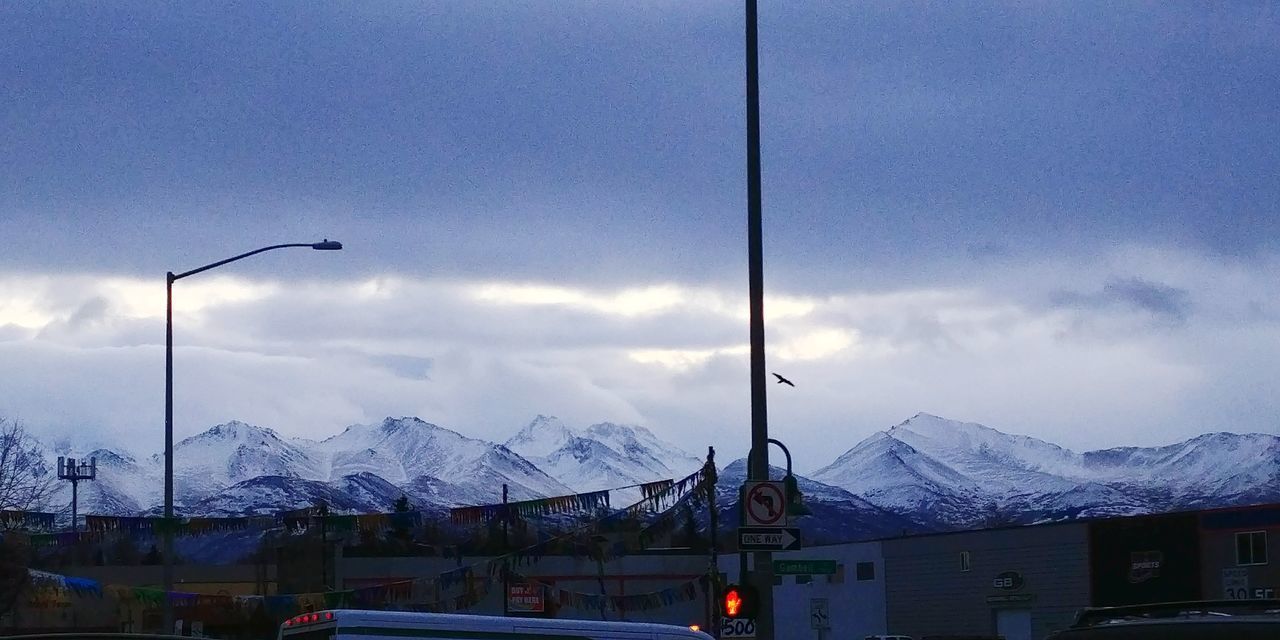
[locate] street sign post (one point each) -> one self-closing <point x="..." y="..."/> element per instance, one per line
<point x="819" y="614"/>
<point x="768" y="539"/>
<point x="804" y="567"/>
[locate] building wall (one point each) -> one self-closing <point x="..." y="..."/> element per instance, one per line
<point x="629" y="575"/>
<point x="1222" y="576"/>
<point x="48" y="609"/>
<point x="53" y="610"/>
<point x="857" y="607"/>
<point x="234" y="580"/>
<point x="929" y="593"/>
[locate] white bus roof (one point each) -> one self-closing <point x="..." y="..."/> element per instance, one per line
<point x="410" y="620"/>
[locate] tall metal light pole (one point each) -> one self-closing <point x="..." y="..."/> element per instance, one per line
<point x="326" y="245"/>
<point x="758" y="468"/>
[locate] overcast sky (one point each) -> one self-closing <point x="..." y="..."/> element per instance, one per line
<point x="1061" y="220"/>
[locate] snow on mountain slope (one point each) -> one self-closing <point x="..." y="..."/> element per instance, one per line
<point x="404" y="449"/>
<point x="603" y="456"/>
<point x="894" y="475"/>
<point x="122" y="485"/>
<point x="978" y="451"/>
<point x="1089" y="500"/>
<point x="589" y="465"/>
<point x="925" y="473"/>
<point x="965" y="474"/>
<point x="883" y="462"/>
<point x="1007" y="463"/>
<point x="540" y="438"/>
<point x="233" y="452"/>
<point x="838" y="516"/>
<point x="215" y="471"/>
<point x="268" y="495"/>
<point x="645" y="449"/>
<point x="1224" y="462"/>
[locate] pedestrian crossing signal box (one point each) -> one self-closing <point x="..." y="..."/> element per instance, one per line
<point x="738" y="601"/>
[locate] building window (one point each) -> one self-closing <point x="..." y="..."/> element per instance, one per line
<point x="838" y="576"/>
<point x="964" y="560"/>
<point x="1251" y="547"/>
<point x="866" y="571"/>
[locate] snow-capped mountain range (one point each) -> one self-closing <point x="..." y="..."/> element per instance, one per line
<point x="927" y="473"/>
<point x="603" y="456"/>
<point x="947" y="474"/>
<point x="241" y="469"/>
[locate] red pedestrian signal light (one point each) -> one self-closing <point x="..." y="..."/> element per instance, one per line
<point x="732" y="602"/>
<point x="738" y="602"/>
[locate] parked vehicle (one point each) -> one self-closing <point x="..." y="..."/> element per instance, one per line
<point x="1211" y="620"/>
<point x="93" y="635"/>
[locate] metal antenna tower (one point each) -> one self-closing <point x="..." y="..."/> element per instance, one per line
<point x="68" y="469"/>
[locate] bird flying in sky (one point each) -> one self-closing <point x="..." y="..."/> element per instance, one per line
<point x="782" y="380"/>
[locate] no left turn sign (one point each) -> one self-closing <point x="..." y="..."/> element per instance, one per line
<point x="766" y="504"/>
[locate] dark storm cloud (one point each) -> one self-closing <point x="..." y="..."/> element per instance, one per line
<point x="1162" y="302"/>
<point x="1158" y="299"/>
<point x="418" y="312"/>
<point x="932" y="173"/>
<point x="586" y="142"/>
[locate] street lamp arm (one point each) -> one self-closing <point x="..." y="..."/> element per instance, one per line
<point x="326" y="245"/>
<point x="170" y="277"/>
<point x="751" y="455"/>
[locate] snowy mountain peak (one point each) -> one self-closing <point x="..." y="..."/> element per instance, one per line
<point x="929" y="425"/>
<point x="928" y="470"/>
<point x="637" y="441"/>
<point x="968" y="444"/>
<point x="602" y="456"/>
<point x="107" y="457"/>
<point x="405" y="450"/>
<point x="959" y="470"/>
<point x="234" y="431"/>
<point x="610" y="429"/>
<point x="541" y="437"/>
<point x="393" y="425"/>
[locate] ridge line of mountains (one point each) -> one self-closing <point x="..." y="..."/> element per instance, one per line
<point x="925" y="474"/>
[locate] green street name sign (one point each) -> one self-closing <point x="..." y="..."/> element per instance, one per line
<point x="804" y="567"/>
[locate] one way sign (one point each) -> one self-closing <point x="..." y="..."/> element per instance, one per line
<point x="768" y="539"/>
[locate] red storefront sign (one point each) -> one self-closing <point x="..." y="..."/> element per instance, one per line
<point x="525" y="598"/>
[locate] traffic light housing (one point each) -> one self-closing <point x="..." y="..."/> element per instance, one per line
<point x="795" y="500"/>
<point x="739" y="601"/>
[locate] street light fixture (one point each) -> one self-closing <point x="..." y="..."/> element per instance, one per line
<point x="170" y="277"/>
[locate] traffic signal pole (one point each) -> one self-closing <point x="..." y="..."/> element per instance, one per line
<point x="762" y="573"/>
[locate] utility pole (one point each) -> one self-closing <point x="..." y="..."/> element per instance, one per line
<point x="322" y="510"/>
<point x="69" y="470"/>
<point x="713" y="579"/>
<point x="506" y="567"/>
<point x="762" y="573"/>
